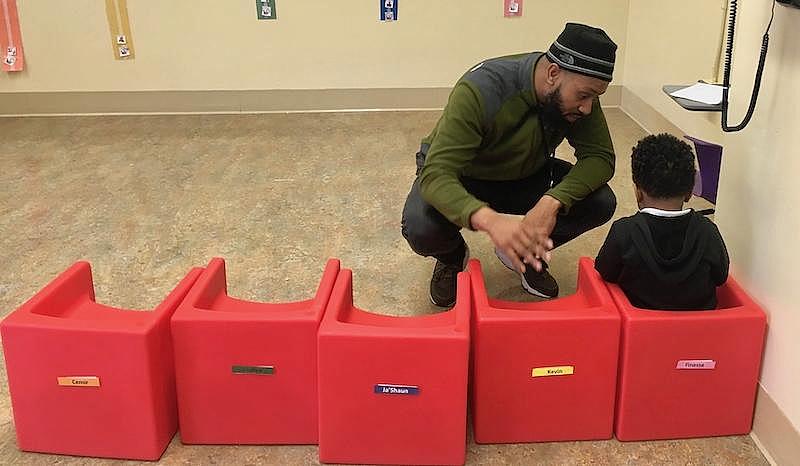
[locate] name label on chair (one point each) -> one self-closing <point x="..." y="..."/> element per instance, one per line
<point x="255" y="370"/>
<point x="80" y="381"/>
<point x="551" y="371"/>
<point x="392" y="389"/>
<point x="696" y="364"/>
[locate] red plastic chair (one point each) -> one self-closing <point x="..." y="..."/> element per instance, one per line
<point x="544" y="371"/>
<point x="393" y="389"/>
<point x="247" y="372"/>
<point x="91" y="380"/>
<point x="689" y="373"/>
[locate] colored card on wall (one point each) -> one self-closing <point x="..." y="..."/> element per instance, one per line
<point x="512" y="8"/>
<point x="119" y="26"/>
<point x="388" y="10"/>
<point x="265" y="9"/>
<point x="10" y="37"/>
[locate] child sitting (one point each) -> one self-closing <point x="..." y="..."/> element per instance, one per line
<point x="664" y="256"/>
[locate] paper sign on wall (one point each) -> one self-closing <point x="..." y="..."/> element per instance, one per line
<point x="512" y="8"/>
<point x="388" y="10"/>
<point x="120" y="28"/>
<point x="10" y="37"/>
<point x="265" y="9"/>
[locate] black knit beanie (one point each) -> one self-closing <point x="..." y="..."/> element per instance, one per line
<point x="585" y="50"/>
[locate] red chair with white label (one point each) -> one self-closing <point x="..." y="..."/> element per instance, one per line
<point x="544" y="371"/>
<point x="393" y="390"/>
<point x="91" y="380"/>
<point x="689" y="374"/>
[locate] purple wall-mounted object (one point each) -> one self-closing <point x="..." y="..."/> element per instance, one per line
<point x="709" y="158"/>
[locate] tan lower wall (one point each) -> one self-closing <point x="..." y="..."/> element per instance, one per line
<point x="165" y="102"/>
<point x="300" y="100"/>
<point x="774" y="433"/>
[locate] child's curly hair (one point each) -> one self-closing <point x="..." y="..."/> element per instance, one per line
<point x="663" y="166"/>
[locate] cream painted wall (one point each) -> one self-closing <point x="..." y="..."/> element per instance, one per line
<point x="212" y="44"/>
<point x="677" y="44"/>
<point x="759" y="194"/>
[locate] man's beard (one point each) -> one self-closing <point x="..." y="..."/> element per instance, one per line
<point x="552" y="109"/>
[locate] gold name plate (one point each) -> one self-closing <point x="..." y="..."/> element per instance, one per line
<point x="83" y="381"/>
<point x="551" y="371"/>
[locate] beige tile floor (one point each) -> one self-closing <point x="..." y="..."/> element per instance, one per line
<point x="144" y="198"/>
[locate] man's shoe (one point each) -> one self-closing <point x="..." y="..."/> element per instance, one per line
<point x="443" y="282"/>
<point x="540" y="284"/>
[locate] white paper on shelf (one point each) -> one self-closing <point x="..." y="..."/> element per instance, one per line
<point x="701" y="92"/>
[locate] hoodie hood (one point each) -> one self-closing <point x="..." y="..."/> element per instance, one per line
<point x="673" y="262"/>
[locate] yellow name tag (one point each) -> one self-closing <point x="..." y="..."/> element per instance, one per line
<point x="89" y="381"/>
<point x="555" y="370"/>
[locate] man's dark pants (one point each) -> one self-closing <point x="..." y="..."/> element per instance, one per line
<point x="429" y="233"/>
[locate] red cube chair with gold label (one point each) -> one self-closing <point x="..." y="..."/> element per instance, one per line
<point x="91" y="380"/>
<point x="246" y="371"/>
<point x="689" y="373"/>
<point x="393" y="390"/>
<point x="544" y="371"/>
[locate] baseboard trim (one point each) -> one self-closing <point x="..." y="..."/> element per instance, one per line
<point x="219" y="101"/>
<point x="233" y="101"/>
<point x="645" y="115"/>
<point x="613" y="96"/>
<point x="773" y="432"/>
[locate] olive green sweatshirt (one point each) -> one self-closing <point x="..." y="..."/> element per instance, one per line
<point x="490" y="130"/>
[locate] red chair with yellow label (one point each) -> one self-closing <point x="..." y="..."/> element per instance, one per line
<point x="544" y="371"/>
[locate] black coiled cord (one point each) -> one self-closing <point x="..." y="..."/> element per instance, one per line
<point x="726" y="77"/>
